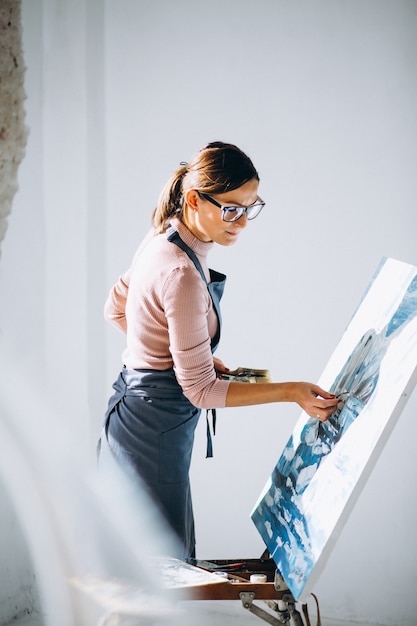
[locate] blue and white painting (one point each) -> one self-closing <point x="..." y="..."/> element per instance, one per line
<point x="323" y="467"/>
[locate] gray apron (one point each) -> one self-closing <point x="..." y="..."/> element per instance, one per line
<point x="149" y="428"/>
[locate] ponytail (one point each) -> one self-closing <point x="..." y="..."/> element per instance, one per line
<point x="170" y="201"/>
<point x="217" y="168"/>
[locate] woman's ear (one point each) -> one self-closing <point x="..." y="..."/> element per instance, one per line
<point x="191" y="198"/>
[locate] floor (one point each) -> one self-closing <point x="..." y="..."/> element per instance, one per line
<point x="223" y="616"/>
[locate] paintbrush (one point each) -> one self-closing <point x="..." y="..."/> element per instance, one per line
<point x="247" y="375"/>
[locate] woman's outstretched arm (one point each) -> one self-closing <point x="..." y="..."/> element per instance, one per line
<point x="316" y="402"/>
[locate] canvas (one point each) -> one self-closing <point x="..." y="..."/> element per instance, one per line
<point x="323" y="467"/>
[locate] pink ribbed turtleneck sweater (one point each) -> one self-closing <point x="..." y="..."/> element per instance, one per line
<point x="163" y="306"/>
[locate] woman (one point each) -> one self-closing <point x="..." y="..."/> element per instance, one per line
<point x="168" y="306"/>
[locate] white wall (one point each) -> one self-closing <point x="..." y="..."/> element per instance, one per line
<point x="322" y="95"/>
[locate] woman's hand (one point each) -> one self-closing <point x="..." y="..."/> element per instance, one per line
<point x="220" y="367"/>
<point x="315" y="401"/>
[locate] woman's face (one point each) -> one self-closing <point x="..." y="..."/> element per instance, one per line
<point x="204" y="219"/>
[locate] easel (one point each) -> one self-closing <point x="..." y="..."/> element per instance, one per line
<point x="238" y="581"/>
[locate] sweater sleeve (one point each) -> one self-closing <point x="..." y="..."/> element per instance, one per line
<point x="115" y="306"/>
<point x="187" y="303"/>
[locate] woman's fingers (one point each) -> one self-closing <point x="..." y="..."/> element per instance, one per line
<point x="322" y="404"/>
<point x="323" y="414"/>
<point x="322" y="393"/>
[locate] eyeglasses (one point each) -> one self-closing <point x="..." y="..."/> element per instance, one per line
<point x="233" y="213"/>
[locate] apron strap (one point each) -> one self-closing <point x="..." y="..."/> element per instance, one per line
<point x="215" y="287"/>
<point x="174" y="237"/>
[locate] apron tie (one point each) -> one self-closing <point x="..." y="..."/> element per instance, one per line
<point x="209" y="453"/>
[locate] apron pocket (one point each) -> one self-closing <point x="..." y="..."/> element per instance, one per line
<point x="175" y="448"/>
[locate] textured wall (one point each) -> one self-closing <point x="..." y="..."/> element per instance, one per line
<point x="18" y="593"/>
<point x="16" y="574"/>
<point x="12" y="129"/>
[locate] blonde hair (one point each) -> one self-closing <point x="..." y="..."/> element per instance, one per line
<point x="217" y="168"/>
